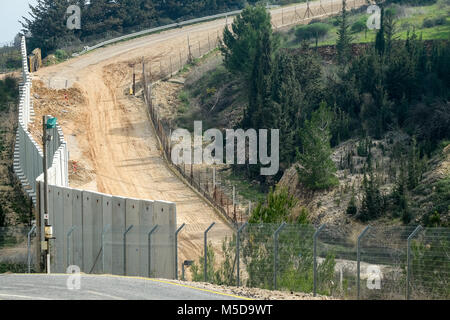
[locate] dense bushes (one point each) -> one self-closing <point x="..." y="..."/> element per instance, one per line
<point x="312" y="31"/>
<point x="8" y="92"/>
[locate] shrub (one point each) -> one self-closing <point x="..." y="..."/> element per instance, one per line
<point x="61" y="55"/>
<point x="310" y="31"/>
<point x="359" y="25"/>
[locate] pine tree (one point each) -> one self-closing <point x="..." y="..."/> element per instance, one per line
<point x="372" y="203"/>
<point x="259" y="113"/>
<point x="389" y="31"/>
<point x="240" y="48"/>
<point x="317" y="170"/>
<point x="400" y="197"/>
<point x="288" y="99"/>
<point x="414" y="172"/>
<point x="379" y="39"/>
<point x="343" y="44"/>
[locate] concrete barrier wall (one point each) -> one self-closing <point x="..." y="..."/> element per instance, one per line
<point x="89" y="230"/>
<point x="28" y="154"/>
<point x="89" y="227"/>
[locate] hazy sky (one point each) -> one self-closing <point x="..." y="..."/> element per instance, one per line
<point x="10" y="12"/>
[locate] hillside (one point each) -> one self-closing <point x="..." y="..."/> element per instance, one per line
<point x="207" y="91"/>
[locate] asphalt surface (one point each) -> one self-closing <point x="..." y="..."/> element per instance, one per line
<point x="99" y="287"/>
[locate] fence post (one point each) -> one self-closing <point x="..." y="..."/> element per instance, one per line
<point x="275" y="254"/>
<point x="176" y="249"/>
<point x="68" y="246"/>
<point x="150" y="249"/>
<point x="408" y="261"/>
<point x="29" y="246"/>
<point x="105" y="229"/>
<point x="358" y="261"/>
<point x="206" y="250"/>
<point x="125" y="250"/>
<point x="237" y="252"/>
<point x="316" y="234"/>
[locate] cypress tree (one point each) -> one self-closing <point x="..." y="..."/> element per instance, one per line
<point x="343" y="44"/>
<point x="379" y="39"/>
<point x="317" y="170"/>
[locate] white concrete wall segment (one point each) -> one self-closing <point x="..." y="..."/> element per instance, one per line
<point x="164" y="214"/>
<point x="27" y="153"/>
<point x="77" y="222"/>
<point x="117" y="229"/>
<point x="67" y="213"/>
<point x="146" y="225"/>
<point x="132" y="238"/>
<point x="107" y="234"/>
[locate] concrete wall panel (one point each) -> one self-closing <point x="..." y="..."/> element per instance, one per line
<point x="145" y="224"/>
<point x="132" y="239"/>
<point x="118" y="228"/>
<point x="77" y="219"/>
<point x="107" y="229"/>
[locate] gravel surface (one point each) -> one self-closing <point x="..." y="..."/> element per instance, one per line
<point x="255" y="293"/>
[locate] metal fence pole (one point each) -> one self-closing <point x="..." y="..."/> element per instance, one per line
<point x="408" y="261"/>
<point x="29" y="246"/>
<point x="176" y="249"/>
<point x="150" y="249"/>
<point x="105" y="229"/>
<point x="358" y="261"/>
<point x="275" y="254"/>
<point x="206" y="250"/>
<point x="316" y="234"/>
<point x="237" y="252"/>
<point x="68" y="242"/>
<point x="125" y="250"/>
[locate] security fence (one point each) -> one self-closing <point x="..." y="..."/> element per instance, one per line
<point x="376" y="262"/>
<point x="17" y="249"/>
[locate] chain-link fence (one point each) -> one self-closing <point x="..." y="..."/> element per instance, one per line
<point x="344" y="262"/>
<point x="383" y="262"/>
<point x="17" y="249"/>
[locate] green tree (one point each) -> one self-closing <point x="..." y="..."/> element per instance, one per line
<point x="379" y="38"/>
<point x="317" y="170"/>
<point x="276" y="209"/>
<point x="312" y="31"/>
<point x="198" y="270"/>
<point x="372" y="203"/>
<point x="241" y="47"/>
<point x="343" y="43"/>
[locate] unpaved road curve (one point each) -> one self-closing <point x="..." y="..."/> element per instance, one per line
<point x="112" y="136"/>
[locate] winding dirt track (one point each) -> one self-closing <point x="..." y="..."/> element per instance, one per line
<point x="113" y="137"/>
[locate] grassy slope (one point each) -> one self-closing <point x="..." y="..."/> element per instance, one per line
<point x="408" y="18"/>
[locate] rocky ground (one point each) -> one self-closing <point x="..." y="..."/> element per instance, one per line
<point x="255" y="293"/>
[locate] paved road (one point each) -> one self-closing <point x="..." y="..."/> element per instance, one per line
<point x="103" y="287"/>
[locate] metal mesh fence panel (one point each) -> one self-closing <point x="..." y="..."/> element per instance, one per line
<point x="430" y="264"/>
<point x="16" y="253"/>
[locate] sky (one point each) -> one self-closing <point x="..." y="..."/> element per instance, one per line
<point x="10" y="12"/>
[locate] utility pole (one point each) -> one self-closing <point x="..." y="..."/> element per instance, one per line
<point x="47" y="227"/>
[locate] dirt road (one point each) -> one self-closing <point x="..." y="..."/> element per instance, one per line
<point x="110" y="136"/>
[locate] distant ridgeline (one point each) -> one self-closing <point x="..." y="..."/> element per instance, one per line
<point x="103" y="18"/>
